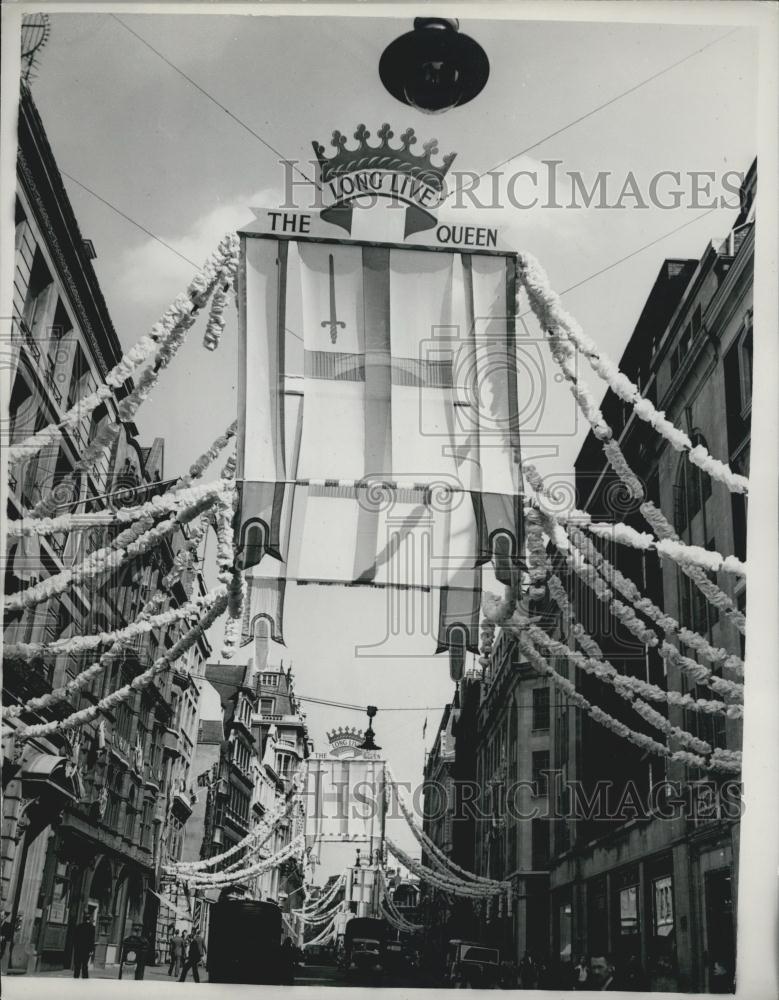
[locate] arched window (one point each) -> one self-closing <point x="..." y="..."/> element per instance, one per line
<point x="692" y="489"/>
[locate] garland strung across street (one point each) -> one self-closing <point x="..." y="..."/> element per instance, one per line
<point x="195" y="880"/>
<point x="440" y="859"/>
<point x="213" y="506"/>
<point x="562" y="350"/>
<point x="553" y="318"/>
<point x="590" y="576"/>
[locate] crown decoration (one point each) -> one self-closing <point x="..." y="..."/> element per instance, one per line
<point x="383" y="157"/>
<point x="345" y="733"/>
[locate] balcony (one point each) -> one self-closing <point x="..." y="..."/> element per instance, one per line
<point x="51" y="382"/>
<point x="29" y="341"/>
<point x="181" y="807"/>
<point x="170" y="741"/>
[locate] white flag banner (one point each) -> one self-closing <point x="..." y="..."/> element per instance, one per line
<point x="380" y="365"/>
<point x="344" y="800"/>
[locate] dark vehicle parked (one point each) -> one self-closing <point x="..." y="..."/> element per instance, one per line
<point x="244" y="943"/>
<point x="365" y="945"/>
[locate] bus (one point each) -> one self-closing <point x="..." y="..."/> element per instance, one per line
<point x="244" y="943"/>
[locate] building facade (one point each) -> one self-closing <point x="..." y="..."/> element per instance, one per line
<point x="659" y="891"/>
<point x="245" y="764"/>
<point x="85" y="811"/>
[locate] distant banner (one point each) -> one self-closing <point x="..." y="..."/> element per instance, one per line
<point x="344" y="800"/>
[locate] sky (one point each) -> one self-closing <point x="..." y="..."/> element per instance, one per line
<point x="126" y="125"/>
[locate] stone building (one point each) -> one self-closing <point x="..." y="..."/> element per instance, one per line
<point x="85" y="811"/>
<point x="658" y="891"/>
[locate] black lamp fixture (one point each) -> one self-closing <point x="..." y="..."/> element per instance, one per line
<point x="434" y="67"/>
<point x="368" y="742"/>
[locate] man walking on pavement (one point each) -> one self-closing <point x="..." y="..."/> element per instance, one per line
<point x="83" y="946"/>
<point x="176" y="953"/>
<point x="196" y="953"/>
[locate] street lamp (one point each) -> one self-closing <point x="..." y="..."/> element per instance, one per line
<point x="434" y="67"/>
<point x="368" y="742"/>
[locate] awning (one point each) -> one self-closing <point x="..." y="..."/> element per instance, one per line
<point x="45" y="773"/>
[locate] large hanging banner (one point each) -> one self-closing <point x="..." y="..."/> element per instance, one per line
<point x="344" y="801"/>
<point x="379" y="437"/>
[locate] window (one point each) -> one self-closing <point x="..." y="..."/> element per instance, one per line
<point x="628" y="915"/>
<point x="540" y="767"/>
<point x="564" y="931"/>
<point x="541" y="708"/>
<point x="539" y="844"/>
<point x="146" y="825"/>
<point x="597" y="917"/>
<point x="692" y="489"/>
<point x="662" y="907"/>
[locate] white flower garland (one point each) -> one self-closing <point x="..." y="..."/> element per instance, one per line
<point x="26" y="651"/>
<point x="223" y="261"/>
<point x="172" y="501"/>
<point x="200" y="464"/>
<point x="449" y="885"/>
<point x="137" y="684"/>
<point x="595" y="662"/>
<point x="216" y="322"/>
<point x="669" y="625"/>
<point x="129" y="544"/>
<point x="243" y="875"/>
<point x="263" y="830"/>
<point x="440" y="858"/>
<point x="614" y="725"/>
<point x="629" y="619"/>
<point x="659" y="524"/>
<point x="555" y="319"/>
<point x="713" y="594"/>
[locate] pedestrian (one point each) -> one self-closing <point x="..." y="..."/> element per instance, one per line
<point x="602" y="973"/>
<point x="176" y="952"/>
<point x="288" y="961"/>
<point x="196" y="952"/>
<point x="6" y="932"/>
<point x="581" y="973"/>
<point x="528" y="971"/>
<point x="83" y="946"/>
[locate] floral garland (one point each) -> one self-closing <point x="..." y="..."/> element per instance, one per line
<point x="627" y="617"/>
<point x="596" y="662"/>
<point x="216" y="322"/>
<point x="85" y="677"/>
<point x="313" y="913"/>
<point x="210" y="455"/>
<point x="266" y="826"/>
<point x="447" y="884"/>
<point x="223" y="261"/>
<point x="173" y="500"/>
<point x="659" y="524"/>
<point x="183" y="314"/>
<point x="632" y="688"/>
<point x="137" y="684"/>
<point x="669" y="625"/>
<point x="495" y="608"/>
<point x="231" y="878"/>
<point x="553" y="317"/>
<point x="440" y="859"/>
<point x="325" y="937"/>
<point x="26" y="651"/>
<point x="129" y="544"/>
<point x="716" y="597"/>
<point x="392" y="909"/>
<point x="640" y="740"/>
<point x="679" y="552"/>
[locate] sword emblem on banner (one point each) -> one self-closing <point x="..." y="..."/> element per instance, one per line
<point x="333" y="322"/>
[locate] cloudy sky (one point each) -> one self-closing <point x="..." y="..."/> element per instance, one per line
<point x="125" y="123"/>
